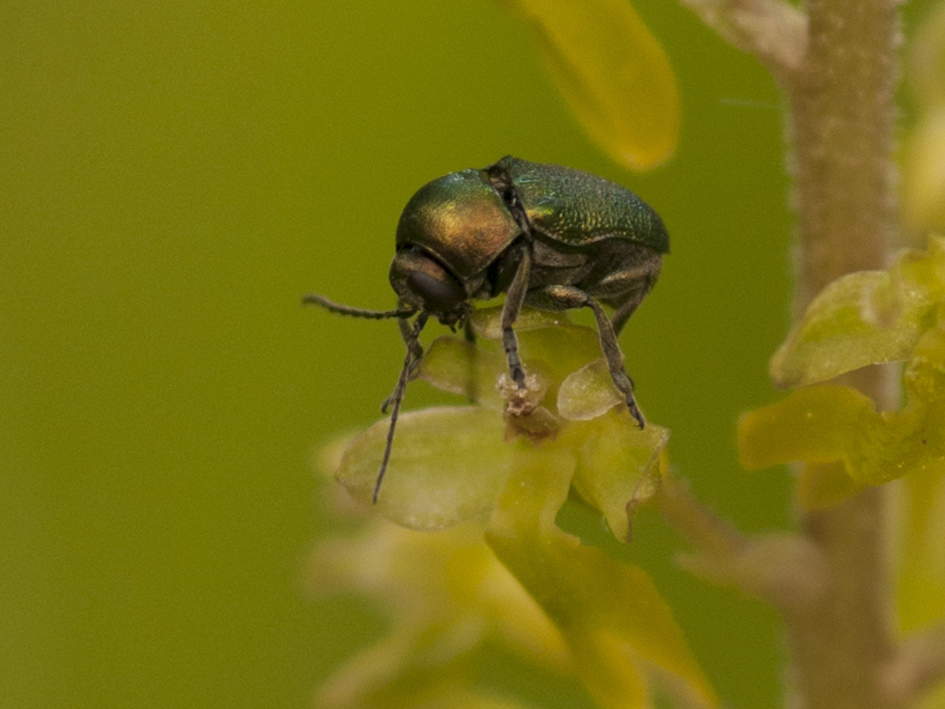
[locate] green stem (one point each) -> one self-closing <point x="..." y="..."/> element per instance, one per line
<point x="838" y="66"/>
<point x="841" y="129"/>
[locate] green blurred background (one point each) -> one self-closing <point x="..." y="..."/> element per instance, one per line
<point x="173" y="175"/>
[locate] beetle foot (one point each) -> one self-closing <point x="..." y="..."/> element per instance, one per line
<point x="518" y="375"/>
<point x="520" y="406"/>
<point x="635" y="411"/>
<point x="522" y="399"/>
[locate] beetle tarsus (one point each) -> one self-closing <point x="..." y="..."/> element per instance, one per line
<point x="516" y="370"/>
<point x="635" y="411"/>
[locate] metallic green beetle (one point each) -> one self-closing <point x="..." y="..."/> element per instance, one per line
<point x="547" y="236"/>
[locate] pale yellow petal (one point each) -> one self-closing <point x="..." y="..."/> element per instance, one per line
<point x="612" y="73"/>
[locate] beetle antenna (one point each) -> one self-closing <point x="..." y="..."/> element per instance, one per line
<point x="398" y="396"/>
<point x="332" y="307"/>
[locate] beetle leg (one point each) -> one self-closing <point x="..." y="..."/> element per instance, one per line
<point x="472" y="386"/>
<point x="414" y="350"/>
<point x="398" y="396"/>
<point x="569" y="298"/>
<point x="628" y="308"/>
<point x="632" y="285"/>
<point x="515" y="296"/>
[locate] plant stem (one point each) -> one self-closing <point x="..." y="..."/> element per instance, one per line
<point x="841" y="129"/>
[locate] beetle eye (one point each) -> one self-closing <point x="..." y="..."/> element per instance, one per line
<point x="441" y="293"/>
<point x="426" y="284"/>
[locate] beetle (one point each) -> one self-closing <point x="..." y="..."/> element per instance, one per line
<point x="548" y="236"/>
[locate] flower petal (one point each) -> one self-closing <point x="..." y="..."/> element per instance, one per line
<point x="813" y="425"/>
<point x="588" y="392"/>
<point x="610" y="614"/>
<point x="447" y="465"/>
<point x="459" y="367"/>
<point x="618" y="466"/>
<point x="864" y="318"/>
<point x="825" y="485"/>
<point x="831" y="423"/>
<point x="612" y="73"/>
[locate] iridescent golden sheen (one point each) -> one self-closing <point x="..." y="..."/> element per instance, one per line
<point x="459" y="219"/>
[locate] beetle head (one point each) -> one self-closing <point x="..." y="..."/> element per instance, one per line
<point x="424" y="283"/>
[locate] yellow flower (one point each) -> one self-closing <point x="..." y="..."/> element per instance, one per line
<point x="612" y="73"/>
<point x="491" y="564"/>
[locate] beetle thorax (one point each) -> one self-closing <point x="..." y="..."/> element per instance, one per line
<point x="461" y="221"/>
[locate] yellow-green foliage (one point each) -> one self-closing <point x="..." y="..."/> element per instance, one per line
<point x="490" y="478"/>
<point x="862" y="319"/>
<point x="605" y="622"/>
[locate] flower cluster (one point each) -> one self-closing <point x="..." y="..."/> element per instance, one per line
<point x="844" y="443"/>
<point x="491" y="563"/>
